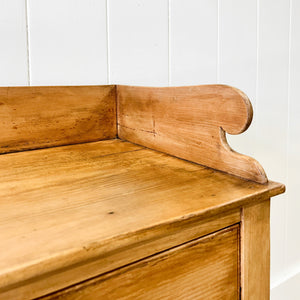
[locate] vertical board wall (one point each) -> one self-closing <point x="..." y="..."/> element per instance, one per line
<point x="251" y="44"/>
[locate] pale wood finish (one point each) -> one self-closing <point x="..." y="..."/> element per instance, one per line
<point x="39" y="117"/>
<point x="187" y="122"/>
<point x="206" y="268"/>
<point x="82" y="205"/>
<point x="190" y="123"/>
<point x="135" y="247"/>
<point x="74" y="212"/>
<point x="255" y="246"/>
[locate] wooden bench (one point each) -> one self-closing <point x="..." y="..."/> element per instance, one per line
<point x="121" y="192"/>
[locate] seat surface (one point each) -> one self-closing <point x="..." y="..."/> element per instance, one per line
<point x="67" y="201"/>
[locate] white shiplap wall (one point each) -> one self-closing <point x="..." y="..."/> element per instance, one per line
<point x="251" y="44"/>
<point x="138" y="42"/>
<point x="13" y="45"/>
<point x="67" y="42"/>
<point x="193" y="53"/>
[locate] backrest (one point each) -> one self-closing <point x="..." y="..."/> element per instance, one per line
<point x="40" y="117"/>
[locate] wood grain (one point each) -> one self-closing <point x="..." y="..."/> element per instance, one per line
<point x="190" y="123"/>
<point x="40" y="117"/>
<point x="139" y="245"/>
<point x="81" y="205"/>
<point x="187" y="122"/>
<point x="206" y="268"/>
<point x="255" y="249"/>
<point x="71" y="213"/>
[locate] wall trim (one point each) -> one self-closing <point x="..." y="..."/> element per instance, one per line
<point x="287" y="288"/>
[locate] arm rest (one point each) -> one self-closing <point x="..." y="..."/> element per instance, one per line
<point x="189" y="123"/>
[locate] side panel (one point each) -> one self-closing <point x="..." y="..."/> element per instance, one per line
<point x="189" y="123"/>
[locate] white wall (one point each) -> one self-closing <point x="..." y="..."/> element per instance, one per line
<point x="251" y="44"/>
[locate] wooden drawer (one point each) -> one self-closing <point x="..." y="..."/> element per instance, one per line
<point x="206" y="268"/>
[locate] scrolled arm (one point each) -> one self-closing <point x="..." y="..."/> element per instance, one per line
<point x="189" y="123"/>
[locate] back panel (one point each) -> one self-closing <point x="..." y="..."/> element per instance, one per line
<point x="41" y="117"/>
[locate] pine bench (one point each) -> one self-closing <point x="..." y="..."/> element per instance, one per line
<point x="122" y="192"/>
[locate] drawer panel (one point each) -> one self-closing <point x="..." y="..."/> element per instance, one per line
<point x="206" y="268"/>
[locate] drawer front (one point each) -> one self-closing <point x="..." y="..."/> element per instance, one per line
<point x="206" y="268"/>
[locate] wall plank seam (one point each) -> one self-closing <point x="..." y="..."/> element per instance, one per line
<point x="218" y="42"/>
<point x="285" y="261"/>
<point x="27" y="41"/>
<point x="107" y="41"/>
<point x="257" y="60"/>
<point x="169" y="43"/>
